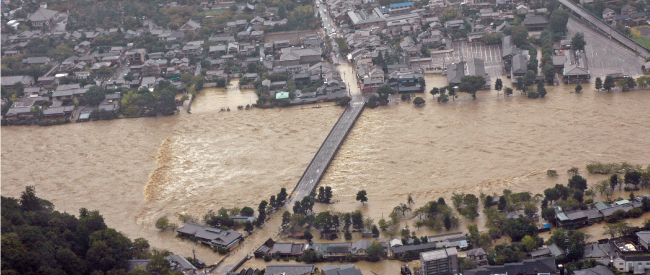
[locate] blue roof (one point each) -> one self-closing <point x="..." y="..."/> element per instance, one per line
<point x="401" y="5"/>
<point x="384" y="10"/>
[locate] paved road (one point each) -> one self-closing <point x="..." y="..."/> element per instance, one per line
<point x="605" y="56"/>
<point x="327" y="151"/>
<point x="606" y="28"/>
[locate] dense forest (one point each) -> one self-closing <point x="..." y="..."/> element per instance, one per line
<point x="36" y="239"/>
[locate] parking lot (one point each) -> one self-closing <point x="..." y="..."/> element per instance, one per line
<point x="490" y="54"/>
<point x="605" y="56"/>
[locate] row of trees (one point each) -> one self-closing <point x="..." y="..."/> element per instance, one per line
<point x="625" y="84"/>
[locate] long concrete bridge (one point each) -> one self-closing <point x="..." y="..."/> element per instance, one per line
<point x="605" y="28"/>
<point x="327" y="150"/>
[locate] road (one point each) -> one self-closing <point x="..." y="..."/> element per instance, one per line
<point x="327" y="151"/>
<point x="332" y="31"/>
<point x="613" y="33"/>
<point x="605" y="56"/>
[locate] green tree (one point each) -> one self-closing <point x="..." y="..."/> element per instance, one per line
<point x="95" y="95"/>
<point x="529" y="243"/>
<point x="541" y="90"/>
<point x="308" y="236"/>
<point x="29" y="201"/>
<point x="248" y="227"/>
<point x="519" y="35"/>
<point x="502" y="203"/>
<point x="508" y="91"/>
<point x="558" y="21"/>
<point x="162" y="223"/>
<point x="572" y="241"/>
<point x="577" y="182"/>
<point x="103" y="70"/>
<point x="361" y="196"/>
<point x="578" y="42"/>
<point x="375" y="252"/>
<point x="632" y="177"/>
<point x="622" y="83"/>
<point x="108" y="249"/>
<point x="578" y="88"/>
<point x="418" y="101"/>
<point x="609" y="83"/>
<point x="159" y="265"/>
<point x="247" y="211"/>
<point x="518" y="228"/>
<point x="498" y="84"/>
<point x="449" y="14"/>
<point x="466" y="264"/>
<point x="471" y="84"/>
<point x="286" y="217"/>
<point x="375" y="231"/>
<point x="599" y="83"/>
<point x="447" y="222"/>
<point x="309" y="256"/>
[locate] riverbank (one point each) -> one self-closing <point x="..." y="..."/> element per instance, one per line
<point x="482" y="145"/>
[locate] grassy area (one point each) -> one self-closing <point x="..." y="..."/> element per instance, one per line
<point x="644" y="41"/>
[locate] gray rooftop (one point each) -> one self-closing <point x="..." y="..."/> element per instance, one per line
<point x="438" y="254"/>
<point x="596" y="270"/>
<point x="529" y="267"/>
<point x="296" y="269"/>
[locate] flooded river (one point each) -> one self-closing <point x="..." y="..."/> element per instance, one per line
<point x="136" y="170"/>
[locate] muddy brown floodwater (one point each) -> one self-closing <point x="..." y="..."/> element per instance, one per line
<point x="136" y="170"/>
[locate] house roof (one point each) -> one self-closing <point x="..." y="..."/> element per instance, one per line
<point x="540" y="252"/>
<point x="215" y="235"/>
<point x="476" y="252"/>
<point x="576" y="64"/>
<point x="531" y="266"/>
<point x="406" y="248"/>
<point x="508" y="48"/>
<point x="475" y="67"/>
<point x="558" y="60"/>
<point x="438" y="254"/>
<point x="637" y="15"/>
<point x="58" y="110"/>
<point x="191" y="24"/>
<point x="555" y="250"/>
<point x="297" y="269"/>
<point x="455" y="72"/>
<point x="42" y="15"/>
<point x="11" y="80"/>
<point x="596" y="270"/>
<point x="644" y="236"/>
<point x="519" y="64"/>
<point x="401" y="5"/>
<point x="535" y="20"/>
<point x="348" y="269"/>
<point x="182" y="263"/>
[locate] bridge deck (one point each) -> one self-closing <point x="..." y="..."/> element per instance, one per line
<point x="327" y="151"/>
<point x="615" y="34"/>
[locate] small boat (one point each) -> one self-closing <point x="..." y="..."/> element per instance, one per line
<point x="317" y="106"/>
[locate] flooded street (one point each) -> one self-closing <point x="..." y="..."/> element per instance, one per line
<point x="213" y="99"/>
<point x="136" y="170"/>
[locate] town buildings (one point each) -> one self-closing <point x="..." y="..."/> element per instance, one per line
<point x="211" y="236"/>
<point x="439" y="262"/>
